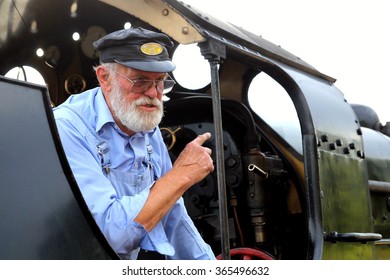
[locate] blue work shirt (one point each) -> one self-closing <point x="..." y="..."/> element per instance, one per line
<point x="115" y="172"/>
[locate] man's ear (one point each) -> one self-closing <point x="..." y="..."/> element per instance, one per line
<point x="103" y="77"/>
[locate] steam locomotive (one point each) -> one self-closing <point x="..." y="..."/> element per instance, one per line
<point x="300" y="172"/>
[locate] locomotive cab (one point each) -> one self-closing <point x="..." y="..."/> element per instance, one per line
<point x="298" y="173"/>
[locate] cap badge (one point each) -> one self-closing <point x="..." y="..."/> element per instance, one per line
<point x="151" y="49"/>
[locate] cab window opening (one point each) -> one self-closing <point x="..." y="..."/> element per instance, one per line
<point x="26" y="73"/>
<point x="192" y="69"/>
<point x="270" y="101"/>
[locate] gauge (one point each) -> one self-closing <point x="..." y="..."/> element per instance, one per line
<point x="93" y="33"/>
<point x="75" y="83"/>
<point x="52" y="56"/>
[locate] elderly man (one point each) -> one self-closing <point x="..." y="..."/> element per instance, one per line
<point x="111" y="139"/>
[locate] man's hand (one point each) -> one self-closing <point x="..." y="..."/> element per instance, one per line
<point x="192" y="165"/>
<point x="195" y="161"/>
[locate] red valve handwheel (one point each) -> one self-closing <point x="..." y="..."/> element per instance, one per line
<point x="248" y="254"/>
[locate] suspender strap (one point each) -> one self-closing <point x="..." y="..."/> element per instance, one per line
<point x="102" y="147"/>
<point x="103" y="150"/>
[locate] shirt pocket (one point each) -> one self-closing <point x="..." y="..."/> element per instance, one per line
<point x="130" y="183"/>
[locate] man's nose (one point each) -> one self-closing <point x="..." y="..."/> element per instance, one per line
<point x="152" y="91"/>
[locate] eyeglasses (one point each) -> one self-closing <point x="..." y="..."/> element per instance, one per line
<point x="141" y="86"/>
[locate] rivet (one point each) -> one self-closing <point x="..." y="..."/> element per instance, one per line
<point x="185" y="30"/>
<point x="324" y="138"/>
<point x="165" y="12"/>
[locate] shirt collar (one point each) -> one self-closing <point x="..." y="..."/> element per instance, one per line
<point x="103" y="114"/>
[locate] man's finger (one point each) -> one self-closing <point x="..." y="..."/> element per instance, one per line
<point x="202" y="138"/>
<point x="208" y="150"/>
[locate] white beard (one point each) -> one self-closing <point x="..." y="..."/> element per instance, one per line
<point x="130" y="116"/>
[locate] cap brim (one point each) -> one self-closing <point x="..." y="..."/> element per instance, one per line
<point x="150" y="66"/>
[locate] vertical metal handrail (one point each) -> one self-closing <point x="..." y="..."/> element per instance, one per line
<point x="213" y="51"/>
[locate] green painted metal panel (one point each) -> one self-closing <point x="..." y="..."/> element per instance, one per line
<point x="345" y="204"/>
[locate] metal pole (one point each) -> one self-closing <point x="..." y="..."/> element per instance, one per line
<point x="214" y="51"/>
<point x="220" y="162"/>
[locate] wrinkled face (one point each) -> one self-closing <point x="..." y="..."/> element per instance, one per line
<point x="135" y="111"/>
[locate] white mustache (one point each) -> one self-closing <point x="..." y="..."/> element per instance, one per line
<point x="145" y="101"/>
